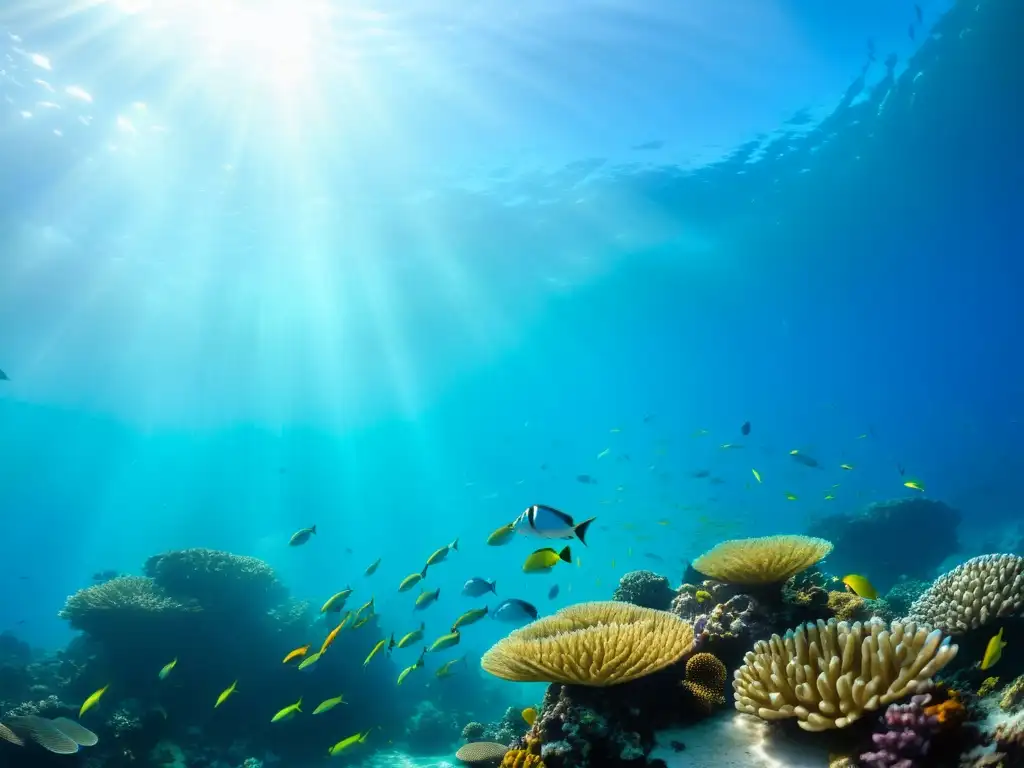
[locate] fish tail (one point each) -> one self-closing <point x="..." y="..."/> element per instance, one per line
<point x="581" y="530"/>
<point x="437" y="593"/>
<point x="312" y="529"/>
<point x="423" y="573"/>
<point x="494" y="588"/>
<point x="454" y="545"/>
<point x="392" y="643"/>
<point x="565" y="555"/>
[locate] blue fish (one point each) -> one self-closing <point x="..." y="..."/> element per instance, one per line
<point x="553" y="592"/>
<point x="514" y="611"/>
<point x="476" y="587"/>
<point x="545" y="522"/>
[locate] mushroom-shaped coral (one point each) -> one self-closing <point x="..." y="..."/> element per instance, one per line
<point x="761" y="561"/>
<point x="216" y="579"/>
<point x="595" y="644"/>
<point x="102" y="608"/>
<point x="827" y="675"/>
<point x="6" y="734"/>
<point x="972" y="594"/>
<point x="705" y="678"/>
<point x="481" y="753"/>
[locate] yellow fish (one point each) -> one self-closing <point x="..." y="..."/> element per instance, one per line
<point x="446" y="641"/>
<point x="298" y="653"/>
<point x="615" y="430"/>
<point x="419" y="663"/>
<point x="629" y="552"/>
<point x="424" y="599"/>
<point x="376" y="650"/>
<point x="364" y="621"/>
<point x="860" y="586"/>
<point x="757" y="475"/>
<point x="791" y="497"/>
<point x="351" y="741"/>
<point x="302" y="536"/>
<point x="502" y="536"/>
<point x="604" y="453"/>
<point x="472" y="616"/>
<point x="166" y="670"/>
<point x="994" y="651"/>
<point x="530" y="716"/>
<point x="440" y="555"/>
<point x="543" y="560"/>
<point x="613" y="562"/>
<point x="861" y="437"/>
<point x="329" y="704"/>
<point x="372" y="567"/>
<point x="92" y="701"/>
<point x="288" y="712"/>
<point x="413" y="637"/>
<point x="829" y="497"/>
<point x="847" y="467"/>
<point x="445" y="670"/>
<point x="412" y="580"/>
<point x="915" y="485"/>
<point x="336" y="601"/>
<point x="226" y="693"/>
<point x="331" y="637"/>
<point x="310" y="660"/>
<point x="367" y="606"/>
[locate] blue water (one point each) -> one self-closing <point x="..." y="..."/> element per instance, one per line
<point x="409" y="281"/>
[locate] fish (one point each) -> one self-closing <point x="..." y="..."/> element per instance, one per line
<point x="553" y="592"/>
<point x="301" y="537"/>
<point x="994" y="650"/>
<point x="586" y="479"/>
<point x="376" y="649"/>
<point x="791" y="496"/>
<point x="166" y="670"/>
<point x="860" y="586"/>
<point x="847" y="467"/>
<point x="502" y="535"/>
<point x="412" y="668"/>
<point x="543" y="560"/>
<point x="445" y="641"/>
<point x="477" y="587"/>
<point x="413" y="637"/>
<point x="425" y="599"/>
<point x="730" y="446"/>
<point x="288" y="712"/>
<point x="745" y="429"/>
<point x="918" y="13"/>
<point x="328" y="704"/>
<point x="915" y="485"/>
<point x="472" y="616"/>
<point x="604" y="453"/>
<point x="298" y="653"/>
<point x="336" y="601"/>
<point x="371" y="569"/>
<point x="700" y="474"/>
<point x="310" y="660"/>
<point x="514" y="610"/>
<point x="829" y="497"/>
<point x="441" y="554"/>
<point x="804" y="459"/>
<point x="412" y="580"/>
<point x="757" y="475"/>
<point x="530" y="716"/>
<point x="226" y="693"/>
<point x="103" y="575"/>
<point x="359" y="623"/>
<point x="351" y="741"/>
<point x="3" y="376"/>
<point x="911" y="32"/>
<point x="549" y="523"/>
<point x="92" y="701"/>
<point x="367" y="606"/>
<point x="445" y="670"/>
<point x="329" y="640"/>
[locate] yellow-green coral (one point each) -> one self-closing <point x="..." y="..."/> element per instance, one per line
<point x="527" y="757"/>
<point x="988" y="685"/>
<point x="705" y="678"/>
<point x="1013" y="695"/>
<point x="112" y="605"/>
<point x="702" y="595"/>
<point x="766" y="560"/>
<point x="846" y="606"/>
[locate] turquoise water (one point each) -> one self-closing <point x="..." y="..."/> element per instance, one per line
<point x="402" y="273"/>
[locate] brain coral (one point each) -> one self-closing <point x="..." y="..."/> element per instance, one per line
<point x="644" y="588"/>
<point x="766" y="560"/>
<point x="972" y="594"/>
<point x="481" y="752"/>
<point x="594" y="644"/>
<point x="827" y="675"/>
<point x="705" y="678"/>
<point x="104" y="608"/>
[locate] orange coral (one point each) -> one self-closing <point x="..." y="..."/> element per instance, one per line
<point x="528" y="757"/>
<point x="705" y="678"/>
<point x="950" y="712"/>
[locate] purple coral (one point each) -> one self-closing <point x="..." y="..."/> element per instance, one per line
<point x="907" y="735"/>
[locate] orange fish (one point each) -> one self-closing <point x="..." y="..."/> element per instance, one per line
<point x="298" y="653"/>
<point x="330" y="637"/>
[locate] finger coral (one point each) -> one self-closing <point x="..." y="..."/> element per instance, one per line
<point x="828" y="674"/>
<point x="973" y="594"/>
<point x="705" y="678"/>
<point x="594" y="644"/>
<point x="765" y="560"/>
<point x="101" y="608"/>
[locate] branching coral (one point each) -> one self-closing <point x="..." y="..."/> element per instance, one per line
<point x="761" y="561"/>
<point x="827" y="675"/>
<point x="216" y="579"/>
<point x="595" y="644"/>
<point x="909" y="729"/>
<point x="972" y="594"/>
<point x="705" y="678"/>
<point x="104" y="608"/>
<point x="644" y="588"/>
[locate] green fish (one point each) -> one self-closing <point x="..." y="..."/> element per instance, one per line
<point x="376" y="649"/>
<point x="442" y="553"/>
<point x="419" y="663"/>
<point x="336" y="601"/>
<point x="445" y="670"/>
<point x="301" y="537"/>
<point x="412" y="580"/>
<point x="163" y="673"/>
<point x="502" y="536"/>
<point x="310" y="660"/>
<point x="426" y="598"/>
<point x="288" y="712"/>
<point x="446" y="641"/>
<point x="472" y="616"/>
<point x="372" y="568"/>
<point x="351" y="741"/>
<point x="543" y="560"/>
<point x="413" y="637"/>
<point x="329" y="704"/>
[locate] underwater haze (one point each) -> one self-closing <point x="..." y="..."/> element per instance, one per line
<point x="402" y="271"/>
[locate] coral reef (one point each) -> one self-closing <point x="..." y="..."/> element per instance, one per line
<point x="596" y="644"/>
<point x="646" y="589"/>
<point x="430" y="731"/>
<point x="1013" y="696"/>
<point x="221" y="579"/>
<point x="510" y="727"/>
<point x="761" y="561"/>
<point x="907" y="735"/>
<point x="705" y="678"/>
<point x="879" y="534"/>
<point x="973" y="594"/>
<point x="827" y="675"/>
<point x="104" y="610"/>
<point x="903" y="594"/>
<point x="481" y="753"/>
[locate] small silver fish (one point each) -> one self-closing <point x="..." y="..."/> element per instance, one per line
<point x="514" y="610"/>
<point x="545" y="522"/>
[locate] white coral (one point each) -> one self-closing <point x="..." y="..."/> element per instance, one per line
<point x="972" y="594"/>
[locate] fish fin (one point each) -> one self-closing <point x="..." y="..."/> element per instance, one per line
<point x="454" y="545"/>
<point x="565" y="555"/>
<point x="494" y="588"/>
<point x="312" y="529"/>
<point x="423" y="573"/>
<point x="437" y="593"/>
<point x="581" y="530"/>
